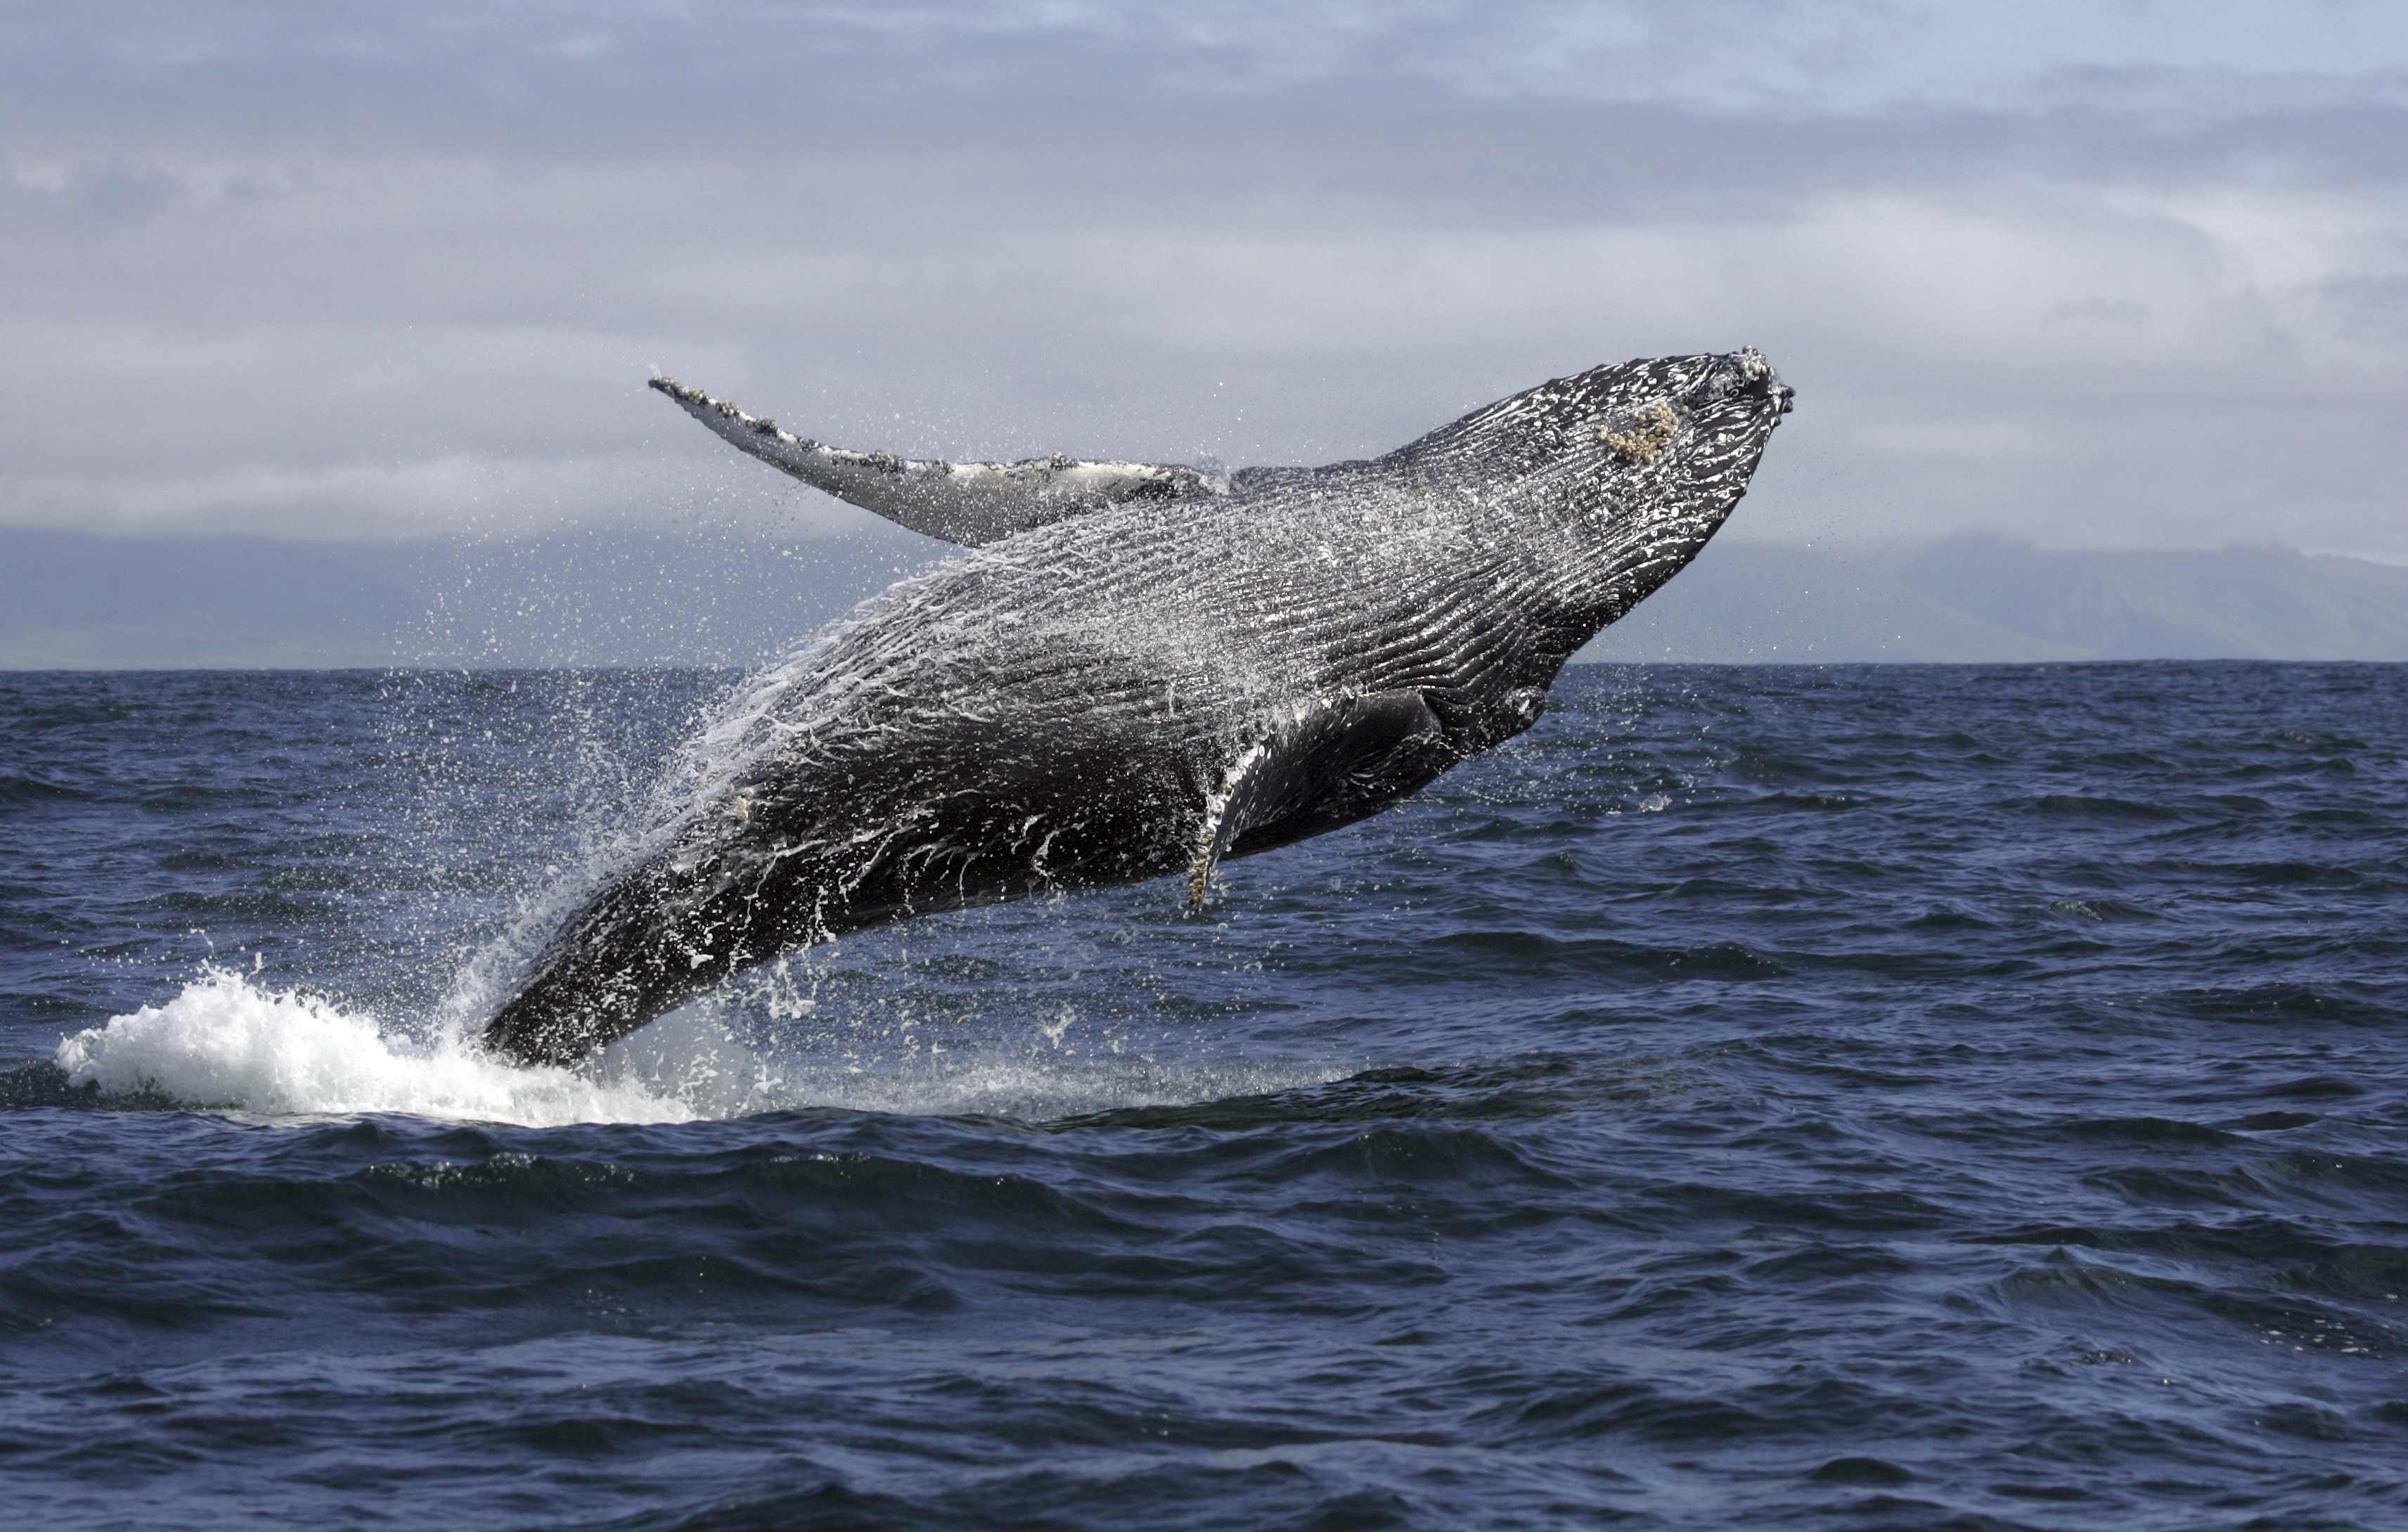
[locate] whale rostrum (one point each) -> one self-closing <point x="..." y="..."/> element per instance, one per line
<point x="1140" y="670"/>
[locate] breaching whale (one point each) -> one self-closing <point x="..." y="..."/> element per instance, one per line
<point x="1141" y="670"/>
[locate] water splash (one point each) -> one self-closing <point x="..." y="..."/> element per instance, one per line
<point x="228" y="1044"/>
<point x="224" y="1042"/>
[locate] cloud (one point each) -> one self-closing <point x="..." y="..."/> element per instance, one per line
<point x="379" y="501"/>
<point x="385" y="270"/>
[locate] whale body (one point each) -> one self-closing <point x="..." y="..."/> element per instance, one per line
<point x="1140" y="670"/>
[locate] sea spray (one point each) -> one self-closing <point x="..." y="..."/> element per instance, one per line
<point x="224" y="1042"/>
<point x="228" y="1044"/>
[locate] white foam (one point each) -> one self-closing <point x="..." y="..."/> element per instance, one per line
<point x="227" y="1043"/>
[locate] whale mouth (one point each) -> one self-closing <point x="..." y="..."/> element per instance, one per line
<point x="1757" y="379"/>
<point x="1716" y="393"/>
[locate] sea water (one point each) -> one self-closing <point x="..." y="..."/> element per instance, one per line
<point x="1853" y="1096"/>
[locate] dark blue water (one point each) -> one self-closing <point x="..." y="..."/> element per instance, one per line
<point x="1861" y="1098"/>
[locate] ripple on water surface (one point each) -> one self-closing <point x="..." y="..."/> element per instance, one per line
<point x="1856" y="1097"/>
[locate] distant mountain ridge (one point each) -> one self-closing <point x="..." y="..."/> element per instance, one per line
<point x="2259" y="602"/>
<point x="75" y="600"/>
<point x="80" y="600"/>
<point x="1980" y="598"/>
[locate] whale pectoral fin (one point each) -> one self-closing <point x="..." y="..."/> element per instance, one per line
<point x="1300" y="761"/>
<point x="965" y="503"/>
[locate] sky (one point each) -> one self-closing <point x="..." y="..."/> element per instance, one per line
<point x="2102" y="275"/>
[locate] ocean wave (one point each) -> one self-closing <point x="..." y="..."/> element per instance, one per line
<point x="18" y="788"/>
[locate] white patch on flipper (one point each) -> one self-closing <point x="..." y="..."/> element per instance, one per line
<point x="1299" y="754"/>
<point x="1213" y="835"/>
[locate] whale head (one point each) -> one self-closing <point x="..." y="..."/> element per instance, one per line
<point x="1649" y="457"/>
<point x="1668" y="429"/>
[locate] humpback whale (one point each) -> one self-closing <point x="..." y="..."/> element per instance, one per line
<point x="1140" y="670"/>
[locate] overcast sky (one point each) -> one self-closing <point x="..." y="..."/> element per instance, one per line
<point x="2091" y="274"/>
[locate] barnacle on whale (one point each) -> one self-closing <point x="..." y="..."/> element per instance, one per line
<point x="1646" y="441"/>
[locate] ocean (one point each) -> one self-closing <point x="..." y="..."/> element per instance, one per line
<point x="1906" y="1097"/>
